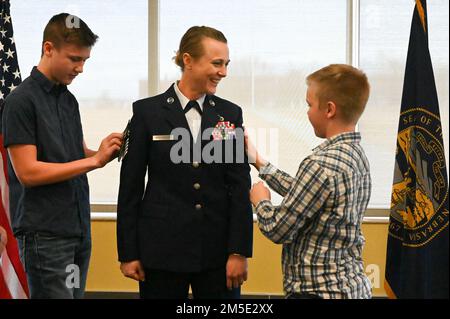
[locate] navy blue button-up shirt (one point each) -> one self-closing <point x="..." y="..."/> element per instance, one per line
<point x="42" y="113"/>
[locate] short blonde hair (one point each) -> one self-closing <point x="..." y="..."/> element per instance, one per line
<point x="191" y="42"/>
<point x="344" y="85"/>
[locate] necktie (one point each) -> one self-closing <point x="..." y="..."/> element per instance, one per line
<point x="193" y="104"/>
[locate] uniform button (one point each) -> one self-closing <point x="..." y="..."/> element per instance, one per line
<point x="198" y="207"/>
<point x="197" y="186"/>
<point x="195" y="164"/>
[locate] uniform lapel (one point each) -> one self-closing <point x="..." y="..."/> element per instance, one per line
<point x="210" y="116"/>
<point x="174" y="112"/>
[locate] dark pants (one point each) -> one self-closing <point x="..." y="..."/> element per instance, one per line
<point x="209" y="284"/>
<point x="56" y="267"/>
<point x="302" y="296"/>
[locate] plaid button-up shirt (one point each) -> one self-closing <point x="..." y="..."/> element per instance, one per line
<point x="319" y="220"/>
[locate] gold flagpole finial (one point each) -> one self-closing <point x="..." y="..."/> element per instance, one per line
<point x="421" y="12"/>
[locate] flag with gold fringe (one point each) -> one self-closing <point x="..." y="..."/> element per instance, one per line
<point x="417" y="249"/>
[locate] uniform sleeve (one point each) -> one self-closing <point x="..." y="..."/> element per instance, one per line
<point x="305" y="198"/>
<point x="131" y="189"/>
<point x="18" y="121"/>
<point x="240" y="235"/>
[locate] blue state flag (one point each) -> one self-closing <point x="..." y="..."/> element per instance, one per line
<point x="417" y="249"/>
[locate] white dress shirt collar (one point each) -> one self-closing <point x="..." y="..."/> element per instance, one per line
<point x="184" y="100"/>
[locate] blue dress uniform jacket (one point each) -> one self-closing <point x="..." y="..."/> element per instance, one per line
<point x="190" y="216"/>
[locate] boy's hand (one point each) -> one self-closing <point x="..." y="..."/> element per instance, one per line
<point x="108" y="149"/>
<point x="258" y="193"/>
<point x="254" y="157"/>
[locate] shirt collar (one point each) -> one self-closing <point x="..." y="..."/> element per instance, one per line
<point x="184" y="100"/>
<point x="46" y="84"/>
<point x="347" y="137"/>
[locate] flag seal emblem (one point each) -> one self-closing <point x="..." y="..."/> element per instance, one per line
<point x="419" y="190"/>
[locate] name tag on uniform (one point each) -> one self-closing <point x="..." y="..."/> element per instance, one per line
<point x="163" y="138"/>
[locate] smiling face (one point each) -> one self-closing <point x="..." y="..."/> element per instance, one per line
<point x="66" y="62"/>
<point x="206" y="71"/>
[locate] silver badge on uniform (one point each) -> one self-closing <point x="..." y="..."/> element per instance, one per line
<point x="163" y="138"/>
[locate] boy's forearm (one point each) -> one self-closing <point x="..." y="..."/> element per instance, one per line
<point x="89" y="153"/>
<point x="259" y="162"/>
<point x="32" y="172"/>
<point x="43" y="173"/>
<point x="277" y="180"/>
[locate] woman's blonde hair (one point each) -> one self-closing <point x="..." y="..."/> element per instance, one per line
<point x="191" y="42"/>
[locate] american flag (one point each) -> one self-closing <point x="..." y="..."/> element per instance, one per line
<point x="13" y="283"/>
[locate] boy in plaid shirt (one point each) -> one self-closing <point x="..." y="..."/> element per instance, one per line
<point x="319" y="220"/>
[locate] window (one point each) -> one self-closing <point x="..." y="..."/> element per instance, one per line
<point x="273" y="46"/>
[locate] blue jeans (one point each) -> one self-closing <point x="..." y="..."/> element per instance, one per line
<point x="56" y="267"/>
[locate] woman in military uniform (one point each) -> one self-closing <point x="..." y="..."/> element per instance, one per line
<point x="191" y="224"/>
